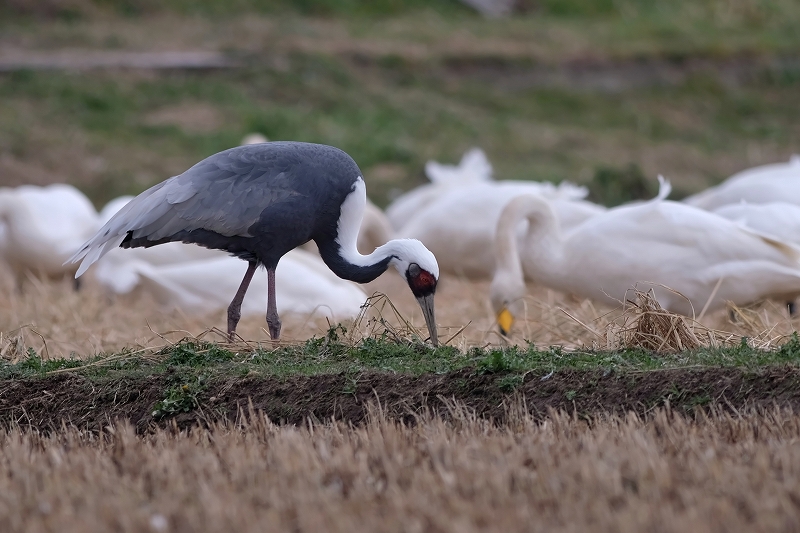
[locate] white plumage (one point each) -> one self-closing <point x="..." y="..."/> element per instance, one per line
<point x="779" y="182"/>
<point x="779" y="219"/>
<point x="474" y="170"/>
<point x="474" y="167"/>
<point x="43" y="226"/>
<point x="459" y="227"/>
<point x="661" y="242"/>
<point x="304" y="285"/>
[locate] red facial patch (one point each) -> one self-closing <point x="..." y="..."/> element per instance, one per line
<point x="423" y="283"/>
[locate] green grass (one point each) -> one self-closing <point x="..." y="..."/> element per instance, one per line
<point x="535" y="133"/>
<point x="190" y="364"/>
<point x="397" y="83"/>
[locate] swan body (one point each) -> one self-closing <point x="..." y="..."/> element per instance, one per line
<point x="474" y="167"/>
<point x="687" y="249"/>
<point x="779" y="219"/>
<point x="43" y="226"/>
<point x="304" y="285"/>
<point x="459" y="228"/>
<point x="408" y="206"/>
<point x="375" y="229"/>
<point x="779" y="182"/>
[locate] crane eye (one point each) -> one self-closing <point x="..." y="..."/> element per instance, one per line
<point x="421" y="281"/>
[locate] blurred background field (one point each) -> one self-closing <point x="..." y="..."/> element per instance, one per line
<point x="561" y="89"/>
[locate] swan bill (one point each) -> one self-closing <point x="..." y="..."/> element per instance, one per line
<point x="426" y="303"/>
<point x="505" y="320"/>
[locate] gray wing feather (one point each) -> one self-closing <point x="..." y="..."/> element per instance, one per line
<point x="225" y="193"/>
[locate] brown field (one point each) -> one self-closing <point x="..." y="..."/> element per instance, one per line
<point x="716" y="473"/>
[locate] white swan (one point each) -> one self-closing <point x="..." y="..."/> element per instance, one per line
<point x="459" y="228"/>
<point x="304" y="286"/>
<point x="406" y="207"/>
<point x="474" y="167"/>
<point x="779" y="182"/>
<point x="253" y="138"/>
<point x="44" y="226"/>
<point x="692" y="251"/>
<point x="779" y="219"/>
<point x="375" y="229"/>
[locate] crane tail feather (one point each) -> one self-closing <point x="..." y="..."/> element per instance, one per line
<point x="91" y="252"/>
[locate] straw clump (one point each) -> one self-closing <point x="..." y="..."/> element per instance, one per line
<point x="649" y="326"/>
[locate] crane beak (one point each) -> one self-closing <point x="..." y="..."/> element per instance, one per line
<point x="426" y="303"/>
<point x="505" y="320"/>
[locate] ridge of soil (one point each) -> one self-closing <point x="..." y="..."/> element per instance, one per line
<point x="45" y="403"/>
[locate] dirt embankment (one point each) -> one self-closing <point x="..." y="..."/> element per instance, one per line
<point x="46" y="402"/>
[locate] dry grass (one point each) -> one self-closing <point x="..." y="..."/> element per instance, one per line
<point x="719" y="473"/>
<point x="652" y="327"/>
<point x="57" y="321"/>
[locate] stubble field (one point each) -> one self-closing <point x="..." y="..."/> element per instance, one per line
<point x="116" y="414"/>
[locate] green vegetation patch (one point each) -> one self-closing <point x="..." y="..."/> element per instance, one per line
<point x="194" y="362"/>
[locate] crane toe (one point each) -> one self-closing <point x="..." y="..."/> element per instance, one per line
<point x="274" y="325"/>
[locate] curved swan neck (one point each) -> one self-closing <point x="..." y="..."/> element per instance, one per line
<point x="506" y="251"/>
<point x="542" y="239"/>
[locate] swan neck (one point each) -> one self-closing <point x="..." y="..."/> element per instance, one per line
<point x="542" y="240"/>
<point x="506" y="250"/>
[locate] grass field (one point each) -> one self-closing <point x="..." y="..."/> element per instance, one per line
<point x="695" y="91"/>
<point x="117" y="414"/>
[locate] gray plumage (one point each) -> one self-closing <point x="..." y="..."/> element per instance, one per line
<point x="258" y="202"/>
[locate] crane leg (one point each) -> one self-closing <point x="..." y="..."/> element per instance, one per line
<point x="273" y="320"/>
<point x="235" y="309"/>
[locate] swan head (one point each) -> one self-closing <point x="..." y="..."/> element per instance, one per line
<point x="419" y="268"/>
<point x="506" y="294"/>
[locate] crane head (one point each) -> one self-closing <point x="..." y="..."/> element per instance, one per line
<point x="423" y="285"/>
<point x="421" y="271"/>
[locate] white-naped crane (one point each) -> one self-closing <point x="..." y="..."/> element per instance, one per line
<point x="708" y="259"/>
<point x="258" y="202"/>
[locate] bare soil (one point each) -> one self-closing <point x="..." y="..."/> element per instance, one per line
<point x="47" y="402"/>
